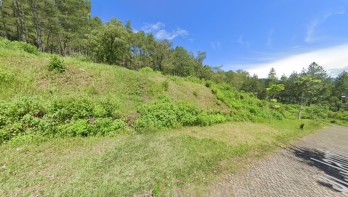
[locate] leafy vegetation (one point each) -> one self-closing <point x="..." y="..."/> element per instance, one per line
<point x="163" y="113"/>
<point x="116" y="43"/>
<point x="60" y="118"/>
<point x="244" y="106"/>
<point x="161" y="163"/>
<point x="89" y="108"/>
<point x="16" y="45"/>
<point x="55" y="129"/>
<point x="56" y="65"/>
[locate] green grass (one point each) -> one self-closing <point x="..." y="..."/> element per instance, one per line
<point x="42" y="109"/>
<point x="135" y="164"/>
<point x="30" y="76"/>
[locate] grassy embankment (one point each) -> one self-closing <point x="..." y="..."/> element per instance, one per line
<point x="132" y="164"/>
<point x="137" y="142"/>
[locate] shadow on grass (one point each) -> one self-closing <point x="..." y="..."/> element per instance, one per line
<point x="332" y="163"/>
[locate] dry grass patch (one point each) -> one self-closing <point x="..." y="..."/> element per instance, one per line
<point x="234" y="133"/>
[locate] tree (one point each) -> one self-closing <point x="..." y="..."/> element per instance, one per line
<point x="320" y="91"/>
<point x="307" y="86"/>
<point x="36" y="7"/>
<point x="254" y="85"/>
<point x="183" y="62"/>
<point x="341" y="84"/>
<point x="340" y="90"/>
<point x="291" y="93"/>
<point x="272" y="77"/>
<point x="274" y="90"/>
<point x="110" y="43"/>
<point x="237" y="79"/>
<point x="3" y="26"/>
<point x="56" y="26"/>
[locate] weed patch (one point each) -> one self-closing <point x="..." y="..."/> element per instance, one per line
<point x="56" y="64"/>
<point x="69" y="117"/>
<point x="164" y="113"/>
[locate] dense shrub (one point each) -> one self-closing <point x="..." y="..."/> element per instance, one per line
<point x="164" y="113"/>
<point x="62" y="117"/>
<point x="208" y="83"/>
<point x="108" y="126"/>
<point x="165" y="85"/>
<point x="79" y="127"/>
<point x="56" y="64"/>
<point x="146" y="70"/>
<point x="4" y="43"/>
<point x="6" y="77"/>
<point x="29" y="48"/>
<point x="194" y="79"/>
<point x="341" y="115"/>
<point x="315" y="112"/>
<point x="244" y="106"/>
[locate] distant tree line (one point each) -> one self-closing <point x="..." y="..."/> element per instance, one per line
<point x="66" y="27"/>
<point x="56" y="26"/>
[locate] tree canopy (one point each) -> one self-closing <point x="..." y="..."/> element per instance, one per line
<point x="67" y="28"/>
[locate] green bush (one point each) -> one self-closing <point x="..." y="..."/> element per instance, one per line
<point x="165" y="85"/>
<point x="208" y="83"/>
<point x="164" y="113"/>
<point x="194" y="79"/>
<point x="70" y="108"/>
<point x="79" y="127"/>
<point x="6" y="77"/>
<point x="146" y="70"/>
<point x="29" y="48"/>
<point x="56" y="64"/>
<point x="4" y="43"/>
<point x="59" y="118"/>
<point x="244" y="106"/>
<point x="108" y="126"/>
<point x="341" y="115"/>
<point x="195" y="93"/>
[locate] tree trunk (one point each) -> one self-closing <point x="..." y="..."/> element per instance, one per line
<point x="300" y="112"/>
<point x="20" y="22"/>
<point x="4" y="33"/>
<point x="34" y="9"/>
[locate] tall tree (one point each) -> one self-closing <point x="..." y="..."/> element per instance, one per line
<point x="340" y="90"/>
<point x="3" y="26"/>
<point x="272" y="77"/>
<point x="36" y="7"/>
<point x="307" y="86"/>
<point x="20" y="21"/>
<point x="183" y="62"/>
<point x="110" y="43"/>
<point x="319" y="92"/>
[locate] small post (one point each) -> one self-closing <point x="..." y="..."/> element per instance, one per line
<point x="300" y="112"/>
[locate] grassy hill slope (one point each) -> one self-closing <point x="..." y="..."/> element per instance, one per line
<point x="95" y="99"/>
<point x="46" y="116"/>
<point x="29" y="76"/>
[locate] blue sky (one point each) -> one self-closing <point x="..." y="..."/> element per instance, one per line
<point x="252" y="35"/>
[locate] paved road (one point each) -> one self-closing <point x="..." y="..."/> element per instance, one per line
<point x="315" y="166"/>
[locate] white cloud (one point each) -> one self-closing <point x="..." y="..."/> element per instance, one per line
<point x="333" y="59"/>
<point x="159" y="31"/>
<point x="148" y="28"/>
<point x="241" y="41"/>
<point x="310" y="31"/>
<point x="215" y="45"/>
<point x="270" y="38"/>
<point x="314" y="24"/>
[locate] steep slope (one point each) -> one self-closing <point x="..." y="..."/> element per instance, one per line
<point x="29" y="76"/>
<point x="46" y="116"/>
